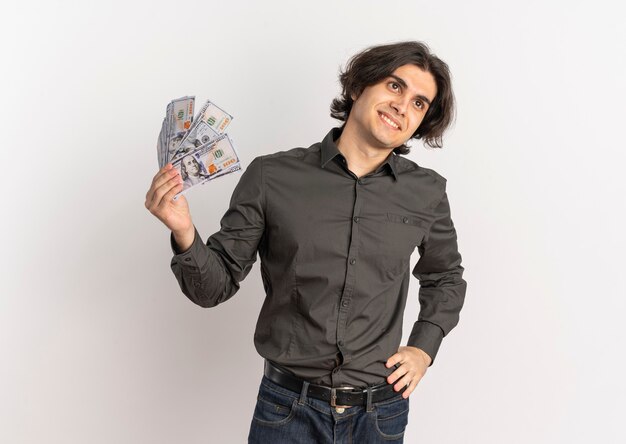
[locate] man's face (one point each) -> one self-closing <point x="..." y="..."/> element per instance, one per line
<point x="174" y="144"/>
<point x="388" y="113"/>
<point x="190" y="166"/>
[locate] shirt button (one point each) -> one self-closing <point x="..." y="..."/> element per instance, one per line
<point x="197" y="284"/>
<point x="187" y="259"/>
<point x="405" y="220"/>
<point x="356" y="218"/>
<point x="360" y="182"/>
<point x="345" y="303"/>
<point x="340" y="343"/>
<point x="353" y="261"/>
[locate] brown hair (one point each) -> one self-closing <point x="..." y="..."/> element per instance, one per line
<point x="376" y="63"/>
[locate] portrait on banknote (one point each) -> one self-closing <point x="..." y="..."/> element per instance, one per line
<point x="192" y="171"/>
<point x="175" y="143"/>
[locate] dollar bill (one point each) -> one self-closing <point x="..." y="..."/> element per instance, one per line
<point x="210" y="122"/>
<point x="161" y="143"/>
<point x="199" y="135"/>
<point x="178" y="119"/>
<point x="215" y="117"/>
<point x="209" y="161"/>
<point x="179" y="116"/>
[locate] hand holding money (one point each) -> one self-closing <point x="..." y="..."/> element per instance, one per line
<point x="173" y="213"/>
<point x="191" y="151"/>
<point x="197" y="147"/>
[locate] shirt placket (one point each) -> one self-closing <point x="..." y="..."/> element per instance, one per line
<point x="345" y="301"/>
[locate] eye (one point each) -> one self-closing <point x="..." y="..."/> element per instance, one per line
<point x="419" y="104"/>
<point x="394" y="86"/>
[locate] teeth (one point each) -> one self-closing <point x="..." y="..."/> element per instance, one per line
<point x="390" y="122"/>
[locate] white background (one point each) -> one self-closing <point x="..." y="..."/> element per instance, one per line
<point x="98" y="344"/>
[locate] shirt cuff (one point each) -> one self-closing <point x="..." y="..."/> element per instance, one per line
<point x="195" y="257"/>
<point x="426" y="336"/>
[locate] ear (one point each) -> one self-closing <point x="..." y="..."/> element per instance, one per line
<point x="354" y="95"/>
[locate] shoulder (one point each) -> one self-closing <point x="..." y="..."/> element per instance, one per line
<point x="426" y="184"/>
<point x="264" y="164"/>
<point x="288" y="157"/>
<point x="408" y="166"/>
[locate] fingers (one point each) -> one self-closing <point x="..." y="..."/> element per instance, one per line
<point x="403" y="378"/>
<point x="168" y="187"/>
<point x="158" y="177"/>
<point x="401" y="371"/>
<point x="167" y="197"/>
<point x="412" y="368"/>
<point x="163" y="177"/>
<point x="393" y="360"/>
<point x="410" y="388"/>
<point x="162" y="172"/>
<point x="402" y="382"/>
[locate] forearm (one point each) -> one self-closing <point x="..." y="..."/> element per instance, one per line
<point x="184" y="239"/>
<point x="441" y="303"/>
<point x="209" y="274"/>
<point x="200" y="273"/>
<point x="442" y="287"/>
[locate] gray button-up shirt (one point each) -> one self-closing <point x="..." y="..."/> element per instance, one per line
<point x="335" y="257"/>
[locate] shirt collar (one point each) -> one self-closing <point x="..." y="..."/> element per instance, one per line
<point x="329" y="150"/>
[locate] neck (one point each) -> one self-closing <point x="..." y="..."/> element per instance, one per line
<point x="361" y="156"/>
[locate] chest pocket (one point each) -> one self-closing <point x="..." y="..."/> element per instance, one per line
<point x="388" y="240"/>
<point x="405" y="232"/>
<point x="402" y="219"/>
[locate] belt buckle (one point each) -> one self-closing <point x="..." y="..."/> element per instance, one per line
<point x="333" y="393"/>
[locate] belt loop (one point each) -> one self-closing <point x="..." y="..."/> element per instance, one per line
<point x="369" y="399"/>
<point x="303" y="392"/>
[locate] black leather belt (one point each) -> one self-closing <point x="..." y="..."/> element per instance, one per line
<point x="335" y="395"/>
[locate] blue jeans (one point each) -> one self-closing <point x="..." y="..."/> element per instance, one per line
<point x="284" y="416"/>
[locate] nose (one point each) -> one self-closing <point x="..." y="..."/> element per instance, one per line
<point x="400" y="105"/>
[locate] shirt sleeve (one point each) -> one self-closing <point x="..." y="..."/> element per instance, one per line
<point x="442" y="287"/>
<point x="209" y="274"/>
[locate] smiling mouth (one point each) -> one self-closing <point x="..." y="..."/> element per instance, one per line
<point x="391" y="123"/>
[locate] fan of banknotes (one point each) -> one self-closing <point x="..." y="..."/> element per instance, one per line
<point x="198" y="147"/>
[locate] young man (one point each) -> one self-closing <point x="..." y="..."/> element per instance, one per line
<point x="335" y="225"/>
